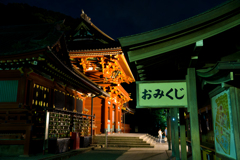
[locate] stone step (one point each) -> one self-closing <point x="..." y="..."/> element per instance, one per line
<point x="116" y="137"/>
<point x="125" y="140"/>
<point x="132" y="140"/>
<point x="103" y="137"/>
<point x="130" y="146"/>
<point x="119" y="140"/>
<point x="121" y="143"/>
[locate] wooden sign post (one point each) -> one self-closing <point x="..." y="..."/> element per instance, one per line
<point x="193" y="108"/>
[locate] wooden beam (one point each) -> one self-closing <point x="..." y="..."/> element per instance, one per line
<point x="193" y="107"/>
<point x="177" y="36"/>
<point x="197" y="49"/>
<point x="12" y="142"/>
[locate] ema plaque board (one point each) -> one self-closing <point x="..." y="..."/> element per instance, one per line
<point x="223" y="126"/>
<point x="157" y="94"/>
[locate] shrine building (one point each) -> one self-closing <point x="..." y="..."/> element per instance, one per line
<point x="100" y="58"/>
<point x="57" y="93"/>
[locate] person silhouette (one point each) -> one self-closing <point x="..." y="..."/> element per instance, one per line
<point x="160" y="135"/>
<point x="165" y="131"/>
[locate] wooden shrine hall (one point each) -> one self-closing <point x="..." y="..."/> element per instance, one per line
<point x="40" y="93"/>
<point x="101" y="59"/>
<point x="55" y="96"/>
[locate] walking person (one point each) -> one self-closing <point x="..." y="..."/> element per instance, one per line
<point x="165" y="139"/>
<point x="160" y="135"/>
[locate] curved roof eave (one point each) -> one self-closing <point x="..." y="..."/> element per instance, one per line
<point x="85" y="80"/>
<point x="181" y="25"/>
<point x="183" y="33"/>
<point x="126" y="67"/>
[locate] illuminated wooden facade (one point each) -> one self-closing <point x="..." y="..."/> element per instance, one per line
<point x="36" y="76"/>
<point x="100" y="58"/>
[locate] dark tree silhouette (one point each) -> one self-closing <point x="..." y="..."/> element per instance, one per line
<point x="20" y="14"/>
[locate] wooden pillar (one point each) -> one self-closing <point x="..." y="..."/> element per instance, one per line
<point x="175" y="137"/>
<point x="235" y="102"/>
<point x="27" y="141"/>
<point x="111" y="116"/>
<point x="105" y="115"/>
<point x="83" y="105"/>
<point x="188" y="131"/>
<point x="120" y="122"/>
<point x="116" y="119"/>
<point x="193" y="108"/>
<point x="182" y="134"/>
<point x="172" y="133"/>
<point x="75" y="101"/>
<point x="124" y="123"/>
<point x="169" y="129"/>
<point x="92" y="117"/>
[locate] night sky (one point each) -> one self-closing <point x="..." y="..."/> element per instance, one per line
<point x="119" y="18"/>
<point x="126" y="17"/>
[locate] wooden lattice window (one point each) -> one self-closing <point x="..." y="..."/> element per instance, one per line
<point x="40" y="96"/>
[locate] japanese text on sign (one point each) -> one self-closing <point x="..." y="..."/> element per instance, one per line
<point x="162" y="94"/>
<point x="159" y="93"/>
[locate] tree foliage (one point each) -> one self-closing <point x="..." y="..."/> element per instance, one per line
<point x="150" y="120"/>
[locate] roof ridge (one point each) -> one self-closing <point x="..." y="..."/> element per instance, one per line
<point x="205" y="12"/>
<point x="88" y="19"/>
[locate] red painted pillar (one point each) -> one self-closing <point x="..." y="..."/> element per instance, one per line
<point x="111" y="115"/>
<point x="120" y="121"/>
<point x="105" y="114"/>
<point x="116" y="118"/>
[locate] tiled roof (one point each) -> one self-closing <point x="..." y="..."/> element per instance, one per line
<point x="24" y="38"/>
<point x="88" y="36"/>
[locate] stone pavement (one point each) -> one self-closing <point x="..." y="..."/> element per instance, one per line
<point x="159" y="152"/>
<point x="49" y="156"/>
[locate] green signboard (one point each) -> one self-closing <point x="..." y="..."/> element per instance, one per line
<point x="165" y="94"/>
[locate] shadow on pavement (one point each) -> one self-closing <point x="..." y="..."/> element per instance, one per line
<point x="99" y="155"/>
